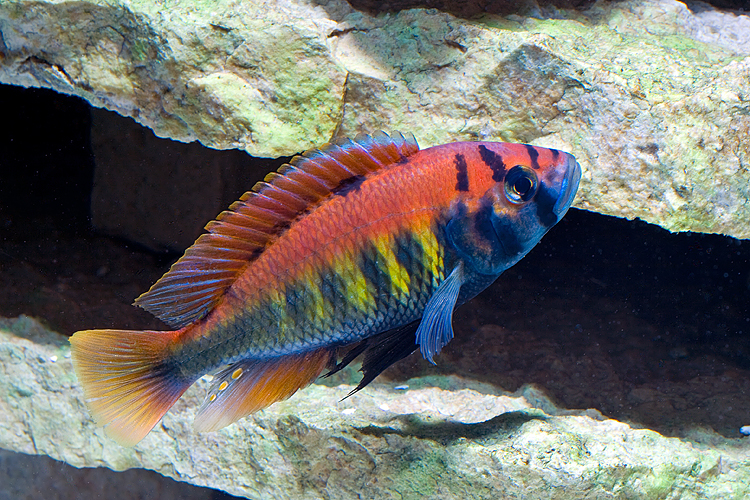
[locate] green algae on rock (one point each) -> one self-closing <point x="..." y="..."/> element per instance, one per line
<point x="466" y="441"/>
<point x="649" y="96"/>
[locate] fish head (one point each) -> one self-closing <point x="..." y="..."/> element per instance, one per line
<point x="526" y="191"/>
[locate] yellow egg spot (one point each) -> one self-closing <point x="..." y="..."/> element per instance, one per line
<point x="236" y="374"/>
<point x="223" y="385"/>
<point x="212" y="398"/>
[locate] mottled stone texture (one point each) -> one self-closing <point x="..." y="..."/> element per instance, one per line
<point x="651" y="97"/>
<point x="454" y="442"/>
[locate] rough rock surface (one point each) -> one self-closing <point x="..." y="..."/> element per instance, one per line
<point x="651" y="97"/>
<point x="385" y="442"/>
<point x="34" y="477"/>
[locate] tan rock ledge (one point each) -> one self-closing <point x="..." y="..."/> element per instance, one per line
<point x="652" y="98"/>
<point x="384" y="442"/>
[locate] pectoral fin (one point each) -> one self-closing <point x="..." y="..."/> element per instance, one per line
<point x="436" y="330"/>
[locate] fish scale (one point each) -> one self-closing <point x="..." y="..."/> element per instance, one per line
<point x="314" y="330"/>
<point x="359" y="248"/>
<point x="261" y="328"/>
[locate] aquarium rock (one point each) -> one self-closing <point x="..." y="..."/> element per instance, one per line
<point x="443" y="438"/>
<point x="650" y="96"/>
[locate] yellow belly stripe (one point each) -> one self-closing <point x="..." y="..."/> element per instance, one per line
<point x="388" y="263"/>
<point x="357" y="293"/>
<point x="432" y="253"/>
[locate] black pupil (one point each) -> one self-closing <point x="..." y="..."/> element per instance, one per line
<point x="522" y="185"/>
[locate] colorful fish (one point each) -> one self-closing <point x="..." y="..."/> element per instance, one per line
<point x="366" y="245"/>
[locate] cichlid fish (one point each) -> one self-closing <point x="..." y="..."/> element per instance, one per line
<point x="366" y="245"/>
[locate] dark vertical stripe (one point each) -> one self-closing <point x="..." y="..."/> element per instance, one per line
<point x="494" y="161"/>
<point x="555" y="154"/>
<point x="483" y="223"/>
<point x="508" y="235"/>
<point x="545" y="203"/>
<point x="328" y="289"/>
<point x="291" y="298"/>
<point x="410" y="254"/>
<point x="298" y="304"/>
<point x="373" y="271"/>
<point x="462" y="173"/>
<point x="346" y="186"/>
<point x="407" y="251"/>
<point x="533" y="156"/>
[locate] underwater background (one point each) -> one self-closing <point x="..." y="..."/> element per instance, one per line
<point x="647" y="327"/>
<point x="612" y="362"/>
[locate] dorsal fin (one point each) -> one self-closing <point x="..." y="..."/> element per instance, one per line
<point x="196" y="282"/>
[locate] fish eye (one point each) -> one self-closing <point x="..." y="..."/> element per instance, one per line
<point x="520" y="184"/>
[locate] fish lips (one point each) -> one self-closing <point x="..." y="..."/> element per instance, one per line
<point x="568" y="188"/>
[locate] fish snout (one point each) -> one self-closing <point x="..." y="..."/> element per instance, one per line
<point x="568" y="187"/>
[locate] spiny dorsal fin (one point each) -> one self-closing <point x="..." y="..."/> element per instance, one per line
<point x="195" y="283"/>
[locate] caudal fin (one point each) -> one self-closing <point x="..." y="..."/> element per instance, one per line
<point x="126" y="381"/>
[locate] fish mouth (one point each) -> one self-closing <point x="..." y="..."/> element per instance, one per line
<point x="569" y="187"/>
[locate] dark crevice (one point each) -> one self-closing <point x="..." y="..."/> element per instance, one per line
<point x="469" y="9"/>
<point x="46" y="165"/>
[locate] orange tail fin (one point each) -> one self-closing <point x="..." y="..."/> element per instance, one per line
<point x="127" y="383"/>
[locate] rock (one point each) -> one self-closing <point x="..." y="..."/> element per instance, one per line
<point x="651" y="97"/>
<point x="460" y="441"/>
<point x="34" y="476"/>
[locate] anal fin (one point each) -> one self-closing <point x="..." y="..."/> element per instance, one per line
<point x="251" y="385"/>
